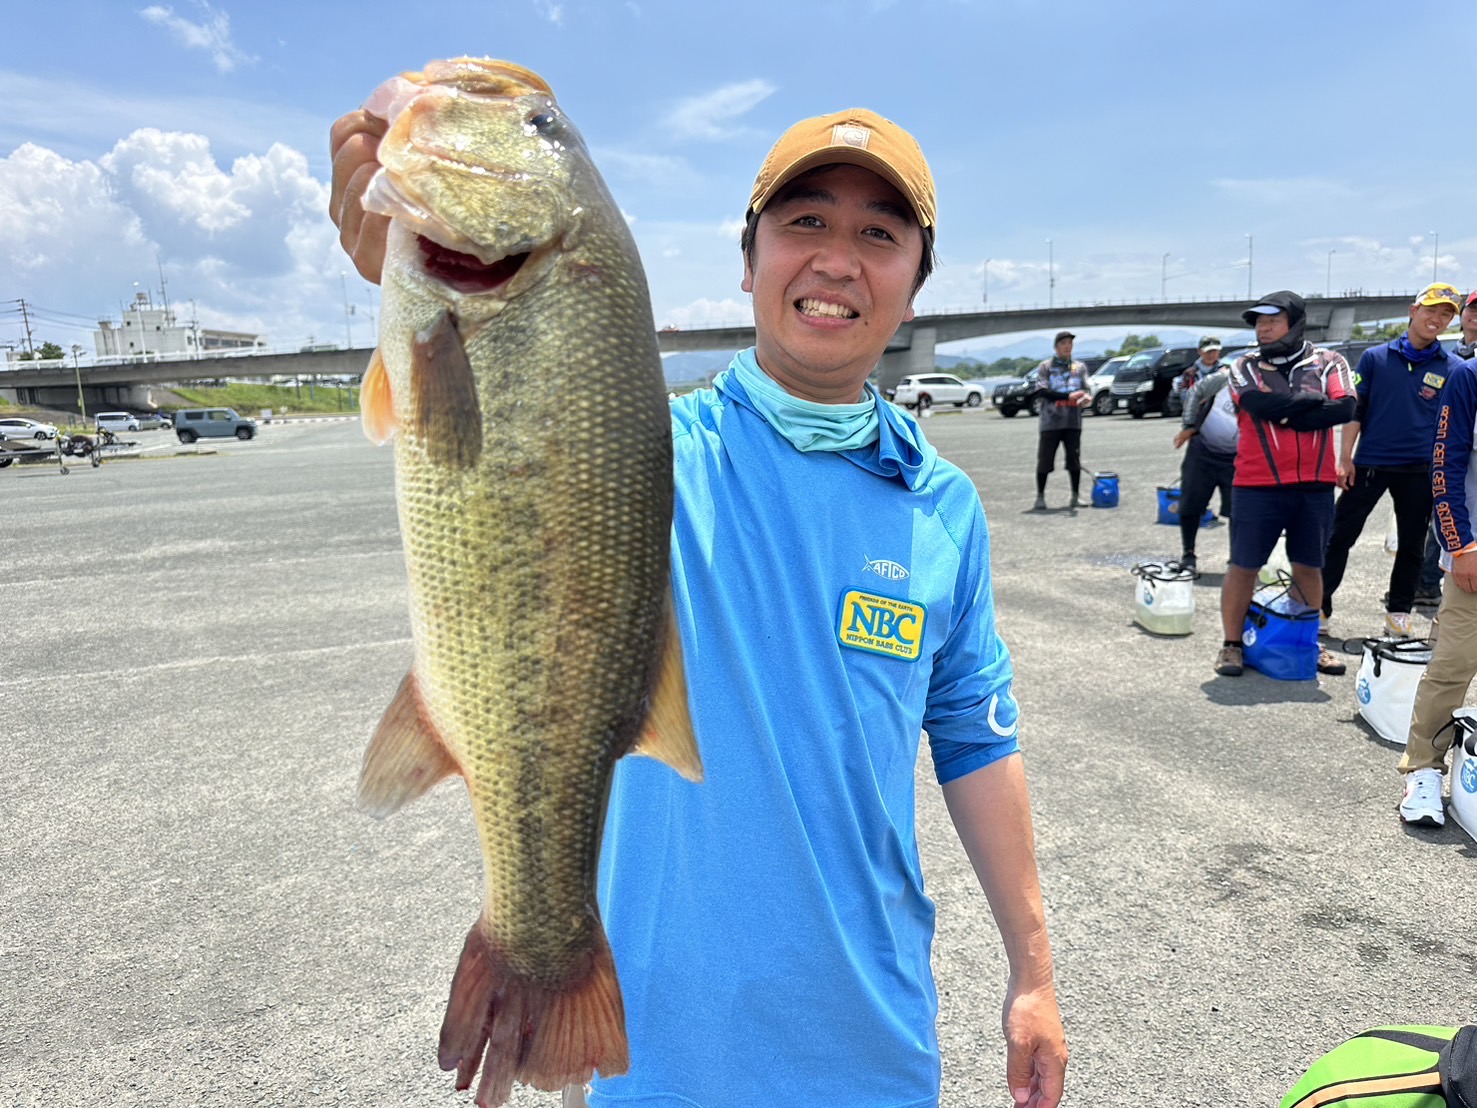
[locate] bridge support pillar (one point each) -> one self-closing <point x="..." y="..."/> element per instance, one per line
<point x="918" y="357"/>
<point x="1341" y="324"/>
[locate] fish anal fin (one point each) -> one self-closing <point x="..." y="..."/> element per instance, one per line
<point x="448" y="417"/>
<point x="548" y="1035"/>
<point x="405" y="758"/>
<point x="667" y="734"/>
<point x="376" y="403"/>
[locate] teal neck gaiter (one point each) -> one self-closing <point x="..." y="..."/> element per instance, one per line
<point x="806" y="424"/>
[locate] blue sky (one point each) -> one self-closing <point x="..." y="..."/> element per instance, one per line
<point x="194" y="135"/>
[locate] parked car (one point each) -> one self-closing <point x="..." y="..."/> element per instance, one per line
<point x="1145" y="384"/>
<point x="155" y="421"/>
<point x="923" y="390"/>
<point x="1014" y="396"/>
<point x="115" y="421"/>
<point x="14" y="427"/>
<point x="212" y="423"/>
<point x="1100" y="385"/>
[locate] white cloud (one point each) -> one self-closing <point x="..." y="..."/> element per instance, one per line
<point x="212" y="34"/>
<point x="712" y="115"/>
<point x="709" y="313"/>
<point x="1291" y="192"/>
<point x="657" y="170"/>
<point x="250" y="242"/>
<point x="551" y="11"/>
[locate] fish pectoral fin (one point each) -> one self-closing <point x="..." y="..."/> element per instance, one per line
<point x="406" y="757"/>
<point x="448" y="417"/>
<point x="667" y="735"/>
<point x="376" y="403"/>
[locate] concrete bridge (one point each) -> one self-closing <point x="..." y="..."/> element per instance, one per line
<point x="912" y="350"/>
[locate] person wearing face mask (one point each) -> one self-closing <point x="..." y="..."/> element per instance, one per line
<point x="1399" y="394"/>
<point x="1289" y="395"/>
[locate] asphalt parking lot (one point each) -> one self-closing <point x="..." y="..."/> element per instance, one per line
<point x="196" y="647"/>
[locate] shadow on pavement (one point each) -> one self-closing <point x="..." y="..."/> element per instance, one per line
<point x="1254" y="688"/>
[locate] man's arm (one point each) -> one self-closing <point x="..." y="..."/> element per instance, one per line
<point x="991" y="811"/>
<point x="1450" y="458"/>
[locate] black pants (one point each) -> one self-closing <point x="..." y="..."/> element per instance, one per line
<point x="1071" y="440"/>
<point x="1410" y="489"/>
<point x="1201" y="473"/>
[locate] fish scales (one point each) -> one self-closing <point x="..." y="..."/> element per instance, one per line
<point x="518" y="370"/>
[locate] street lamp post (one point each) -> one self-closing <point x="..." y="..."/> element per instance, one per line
<point x="1164" y="277"/>
<point x="348" y="334"/>
<point x="987" y="280"/>
<point x="1248" y="265"/>
<point x="143" y="348"/>
<point x="1435" y="253"/>
<point x="1050" y="276"/>
<point x="77" y="369"/>
<point x="1328" y="276"/>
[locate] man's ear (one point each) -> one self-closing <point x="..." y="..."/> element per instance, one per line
<point x="908" y="315"/>
<point x="747" y="284"/>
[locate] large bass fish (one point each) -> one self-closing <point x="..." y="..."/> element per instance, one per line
<point x="519" y="376"/>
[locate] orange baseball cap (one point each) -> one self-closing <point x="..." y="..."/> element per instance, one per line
<point x="853" y="137"/>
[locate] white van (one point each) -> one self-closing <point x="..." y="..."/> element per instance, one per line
<point x="116" y="421"/>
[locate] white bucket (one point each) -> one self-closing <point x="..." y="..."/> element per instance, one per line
<point x="1164" y="598"/>
<point x="1385" y="687"/>
<point x="1464" y="771"/>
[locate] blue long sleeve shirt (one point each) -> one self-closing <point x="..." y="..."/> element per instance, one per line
<point x="1453" y="475"/>
<point x="770" y="926"/>
<point x="1397" y="405"/>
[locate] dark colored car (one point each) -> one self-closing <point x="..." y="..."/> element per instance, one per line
<point x="1146" y="383"/>
<point x="1015" y="396"/>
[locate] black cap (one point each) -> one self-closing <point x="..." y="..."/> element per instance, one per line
<point x="1062" y="335"/>
<point x="1281" y="301"/>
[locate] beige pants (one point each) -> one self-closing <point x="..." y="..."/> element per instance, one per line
<point x="1443" y="686"/>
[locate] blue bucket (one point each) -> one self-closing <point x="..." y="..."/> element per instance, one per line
<point x="1280" y="638"/>
<point x="1105" y="490"/>
<point x="1169" y="508"/>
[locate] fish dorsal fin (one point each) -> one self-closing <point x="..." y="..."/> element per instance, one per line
<point x="406" y="757"/>
<point x="667" y="735"/>
<point x="448" y="417"/>
<point x="376" y="403"/>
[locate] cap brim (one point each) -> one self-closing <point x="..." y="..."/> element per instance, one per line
<point x="842" y="155"/>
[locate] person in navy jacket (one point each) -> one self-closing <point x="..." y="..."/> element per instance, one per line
<point x="1387" y="448"/>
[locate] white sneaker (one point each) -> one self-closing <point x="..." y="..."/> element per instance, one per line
<point x="1398" y="624"/>
<point x="1422" y="803"/>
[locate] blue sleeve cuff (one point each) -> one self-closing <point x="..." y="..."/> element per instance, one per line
<point x="953" y="760"/>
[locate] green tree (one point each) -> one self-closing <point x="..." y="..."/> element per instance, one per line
<point x="46" y="352"/>
<point x="1132" y="344"/>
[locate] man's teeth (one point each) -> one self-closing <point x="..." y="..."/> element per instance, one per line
<point x="820" y="307"/>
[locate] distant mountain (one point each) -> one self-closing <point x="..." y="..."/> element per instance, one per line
<point x="696" y="365"/>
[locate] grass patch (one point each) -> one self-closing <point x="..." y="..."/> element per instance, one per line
<point x="249" y="400"/>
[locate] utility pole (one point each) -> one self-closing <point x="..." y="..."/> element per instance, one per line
<point x="1164" y="277"/>
<point x="1248" y="265"/>
<point x="987" y="280"/>
<point x="348" y="334"/>
<point x="77" y="368"/>
<point x="1328" y="276"/>
<point x="1435" y="255"/>
<point x="26" y="322"/>
<point x="1050" y="277"/>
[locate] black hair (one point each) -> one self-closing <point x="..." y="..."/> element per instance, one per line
<point x="751" y="228"/>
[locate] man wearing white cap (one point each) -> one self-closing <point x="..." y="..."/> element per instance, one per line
<point x="832" y="585"/>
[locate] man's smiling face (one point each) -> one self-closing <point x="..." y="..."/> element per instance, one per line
<point x="835" y="257"/>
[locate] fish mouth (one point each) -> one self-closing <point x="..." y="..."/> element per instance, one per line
<point x="466" y="273"/>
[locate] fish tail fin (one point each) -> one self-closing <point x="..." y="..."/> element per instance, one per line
<point x="667" y="734"/>
<point x="516" y="1029"/>
<point x="405" y="758"/>
<point x="376" y="403"/>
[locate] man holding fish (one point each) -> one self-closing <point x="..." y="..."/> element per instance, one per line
<point x="830" y="584"/>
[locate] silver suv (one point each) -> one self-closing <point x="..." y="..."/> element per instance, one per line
<point x="212" y="423"/>
<point x="923" y="390"/>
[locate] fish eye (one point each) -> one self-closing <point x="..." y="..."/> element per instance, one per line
<point x="544" y="123"/>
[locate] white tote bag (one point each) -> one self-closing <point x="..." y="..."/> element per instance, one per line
<point x="1386" y="684"/>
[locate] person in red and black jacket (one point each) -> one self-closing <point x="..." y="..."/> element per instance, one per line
<point x="1289" y="396"/>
